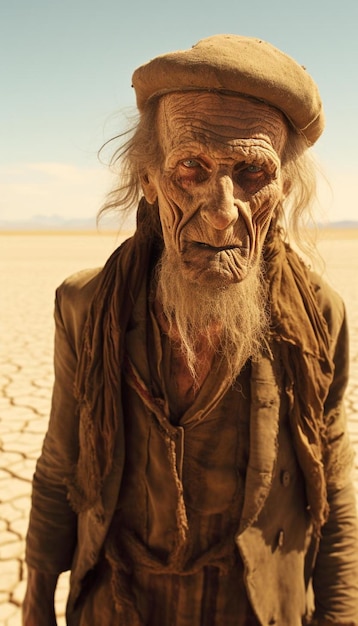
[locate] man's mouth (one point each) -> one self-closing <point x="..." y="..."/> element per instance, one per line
<point x="207" y="246"/>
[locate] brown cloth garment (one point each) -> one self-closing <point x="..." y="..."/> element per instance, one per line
<point x="171" y="547"/>
<point x="296" y="324"/>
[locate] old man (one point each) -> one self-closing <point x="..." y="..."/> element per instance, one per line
<point x="197" y="470"/>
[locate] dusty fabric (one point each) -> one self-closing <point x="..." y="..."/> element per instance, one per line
<point x="100" y="361"/>
<point x="181" y="493"/>
<point x="297" y="325"/>
<point x="100" y="608"/>
<point x="242" y="65"/>
<point x="79" y="539"/>
<point x="174" y="558"/>
<point x="302" y="333"/>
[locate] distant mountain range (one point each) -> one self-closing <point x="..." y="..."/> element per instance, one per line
<point x="340" y="224"/>
<point x="58" y="223"/>
<point x="52" y="222"/>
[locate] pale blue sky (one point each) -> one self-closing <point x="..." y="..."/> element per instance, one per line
<point x="66" y="71"/>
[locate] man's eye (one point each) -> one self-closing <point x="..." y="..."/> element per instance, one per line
<point x="191" y="172"/>
<point x="249" y="169"/>
<point x="189" y="163"/>
<point x="251" y="177"/>
<point x="253" y="169"/>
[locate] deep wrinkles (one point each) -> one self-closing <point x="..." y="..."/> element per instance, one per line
<point x="245" y="122"/>
<point x="195" y="142"/>
<point x="219" y="146"/>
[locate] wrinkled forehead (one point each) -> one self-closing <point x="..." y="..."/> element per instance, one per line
<point x="207" y="117"/>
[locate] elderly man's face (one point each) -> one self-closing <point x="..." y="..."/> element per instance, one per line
<point x="219" y="182"/>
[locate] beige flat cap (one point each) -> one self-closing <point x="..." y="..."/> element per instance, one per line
<point x="243" y="65"/>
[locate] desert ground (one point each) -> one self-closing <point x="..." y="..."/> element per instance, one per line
<point x="31" y="267"/>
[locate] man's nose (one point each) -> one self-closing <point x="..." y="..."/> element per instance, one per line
<point x="220" y="210"/>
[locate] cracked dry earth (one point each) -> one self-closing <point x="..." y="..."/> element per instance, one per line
<point x="31" y="266"/>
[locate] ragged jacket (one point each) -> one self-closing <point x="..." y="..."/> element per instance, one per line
<point x="283" y="558"/>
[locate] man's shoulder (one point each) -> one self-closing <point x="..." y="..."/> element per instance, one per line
<point x="329" y="301"/>
<point x="81" y="284"/>
<point x="74" y="297"/>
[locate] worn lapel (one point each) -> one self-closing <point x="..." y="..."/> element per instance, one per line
<point x="264" y="425"/>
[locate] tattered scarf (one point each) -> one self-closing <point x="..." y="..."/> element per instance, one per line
<point x="297" y="325"/>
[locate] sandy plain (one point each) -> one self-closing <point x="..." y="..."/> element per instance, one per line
<point x="31" y="267"/>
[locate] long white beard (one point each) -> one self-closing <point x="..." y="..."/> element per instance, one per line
<point x="231" y="321"/>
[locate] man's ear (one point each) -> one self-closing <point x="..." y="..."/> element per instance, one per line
<point x="149" y="189"/>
